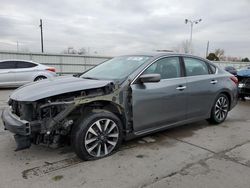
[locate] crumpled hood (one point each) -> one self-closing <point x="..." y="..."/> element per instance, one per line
<point x="51" y="87"/>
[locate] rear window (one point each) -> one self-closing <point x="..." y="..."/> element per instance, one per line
<point x="24" y="64"/>
<point x="195" y="67"/>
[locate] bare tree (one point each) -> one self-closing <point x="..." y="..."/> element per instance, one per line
<point x="70" y="50"/>
<point x="82" y="51"/>
<point x="183" y="47"/>
<point x="219" y="53"/>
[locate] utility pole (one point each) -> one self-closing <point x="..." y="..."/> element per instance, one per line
<point x="17" y="46"/>
<point x="191" y="35"/>
<point x="207" y="49"/>
<point x="41" y="27"/>
<point x="192" y="22"/>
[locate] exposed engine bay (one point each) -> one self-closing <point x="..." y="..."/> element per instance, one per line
<point x="51" y="119"/>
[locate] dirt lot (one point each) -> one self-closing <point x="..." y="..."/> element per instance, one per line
<point x="194" y="155"/>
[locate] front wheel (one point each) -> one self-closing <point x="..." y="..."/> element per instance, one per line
<point x="97" y="136"/>
<point x="220" y="109"/>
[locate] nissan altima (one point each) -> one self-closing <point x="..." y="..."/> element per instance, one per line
<point x="120" y="99"/>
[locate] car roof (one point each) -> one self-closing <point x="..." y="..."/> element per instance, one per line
<point x="4" y="60"/>
<point x="161" y="54"/>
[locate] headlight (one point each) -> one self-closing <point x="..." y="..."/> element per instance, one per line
<point x="241" y="85"/>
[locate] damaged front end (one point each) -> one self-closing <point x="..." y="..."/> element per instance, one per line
<point x="49" y="121"/>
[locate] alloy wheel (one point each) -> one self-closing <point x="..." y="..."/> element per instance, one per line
<point x="221" y="108"/>
<point x="101" y="137"/>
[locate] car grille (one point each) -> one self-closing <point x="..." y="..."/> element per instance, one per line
<point x="246" y="89"/>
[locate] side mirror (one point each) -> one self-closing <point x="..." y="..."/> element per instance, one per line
<point x="147" y="78"/>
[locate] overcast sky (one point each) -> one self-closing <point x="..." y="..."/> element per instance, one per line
<point x="114" y="27"/>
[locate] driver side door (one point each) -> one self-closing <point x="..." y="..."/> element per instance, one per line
<point x="159" y="104"/>
<point x="7" y="73"/>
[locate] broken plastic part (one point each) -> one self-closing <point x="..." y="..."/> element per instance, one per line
<point x="23" y="142"/>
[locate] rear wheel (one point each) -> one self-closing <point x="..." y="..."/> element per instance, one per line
<point x="40" y="78"/>
<point x="242" y="97"/>
<point x="220" y="109"/>
<point x="97" y="136"/>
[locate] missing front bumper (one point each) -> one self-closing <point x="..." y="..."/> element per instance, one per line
<point x="22" y="142"/>
<point x="21" y="129"/>
<point x="14" y="124"/>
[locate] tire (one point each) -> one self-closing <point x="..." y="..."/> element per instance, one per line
<point x="219" y="110"/>
<point x="242" y="97"/>
<point x="40" y="78"/>
<point x="96" y="136"/>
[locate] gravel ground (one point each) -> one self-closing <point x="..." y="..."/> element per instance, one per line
<point x="193" y="155"/>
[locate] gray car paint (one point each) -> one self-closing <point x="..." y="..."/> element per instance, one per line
<point x="51" y="87"/>
<point x="154" y="105"/>
<point x="199" y="96"/>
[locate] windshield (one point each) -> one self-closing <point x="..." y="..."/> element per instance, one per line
<point x="117" y="68"/>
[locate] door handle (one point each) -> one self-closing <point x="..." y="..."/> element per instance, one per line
<point x="213" y="82"/>
<point x="180" y="88"/>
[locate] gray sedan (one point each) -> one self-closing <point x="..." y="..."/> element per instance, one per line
<point x="120" y="99"/>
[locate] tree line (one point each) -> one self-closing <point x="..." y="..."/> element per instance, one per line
<point x="218" y="55"/>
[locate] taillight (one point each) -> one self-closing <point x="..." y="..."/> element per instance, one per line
<point x="234" y="79"/>
<point x="52" y="69"/>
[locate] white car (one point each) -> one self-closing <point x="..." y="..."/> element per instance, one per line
<point x="14" y="73"/>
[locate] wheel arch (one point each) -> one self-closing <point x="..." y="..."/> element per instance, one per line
<point x="228" y="96"/>
<point x="42" y="73"/>
<point x="86" y="108"/>
<point x="225" y="92"/>
<point x="45" y="77"/>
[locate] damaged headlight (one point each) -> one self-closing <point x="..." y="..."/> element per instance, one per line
<point x="52" y="109"/>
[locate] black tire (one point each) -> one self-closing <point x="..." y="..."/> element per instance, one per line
<point x="219" y="112"/>
<point x="40" y="78"/>
<point x="82" y="132"/>
<point x="242" y="97"/>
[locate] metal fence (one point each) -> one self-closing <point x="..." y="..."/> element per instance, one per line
<point x="64" y="63"/>
<point x="71" y="64"/>
<point x="237" y="65"/>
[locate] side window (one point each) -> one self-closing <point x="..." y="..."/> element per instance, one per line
<point x="7" y="65"/>
<point x="167" y="67"/>
<point x="195" y="67"/>
<point x="213" y="68"/>
<point x="23" y="64"/>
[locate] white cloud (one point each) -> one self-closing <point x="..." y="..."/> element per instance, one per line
<point x="125" y="26"/>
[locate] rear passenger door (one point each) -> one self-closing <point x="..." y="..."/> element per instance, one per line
<point x="200" y="88"/>
<point x="24" y="72"/>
